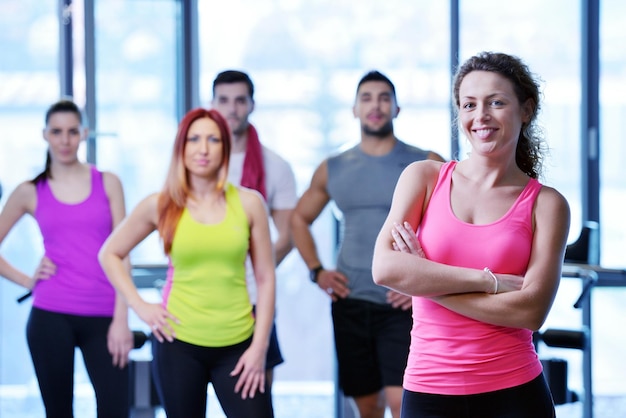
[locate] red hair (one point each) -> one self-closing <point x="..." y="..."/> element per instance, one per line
<point x="176" y="190"/>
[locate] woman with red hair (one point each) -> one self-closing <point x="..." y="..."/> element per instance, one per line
<point x="204" y="329"/>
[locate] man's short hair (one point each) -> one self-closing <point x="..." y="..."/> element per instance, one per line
<point x="234" y="76"/>
<point x="376" y="76"/>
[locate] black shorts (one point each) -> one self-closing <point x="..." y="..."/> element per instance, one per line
<point x="372" y="343"/>
<point x="274" y="355"/>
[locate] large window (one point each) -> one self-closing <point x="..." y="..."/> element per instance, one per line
<point x="28" y="85"/>
<point x="135" y="53"/>
<point x="305" y="59"/>
<point x="608" y="302"/>
<point x="136" y="98"/>
<point x="612" y="128"/>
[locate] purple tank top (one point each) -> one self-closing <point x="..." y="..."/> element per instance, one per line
<point x="72" y="236"/>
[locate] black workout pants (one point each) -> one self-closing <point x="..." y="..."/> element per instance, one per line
<point x="52" y="339"/>
<point x="182" y="372"/>
<point x="530" y="400"/>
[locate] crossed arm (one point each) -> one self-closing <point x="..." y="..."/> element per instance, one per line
<point x="522" y="301"/>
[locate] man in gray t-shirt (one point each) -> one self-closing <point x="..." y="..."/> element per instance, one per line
<point x="371" y="323"/>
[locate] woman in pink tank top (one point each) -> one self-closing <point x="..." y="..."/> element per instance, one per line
<point x="479" y="245"/>
<point x="74" y="305"/>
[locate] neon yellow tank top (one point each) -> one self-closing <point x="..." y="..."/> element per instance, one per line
<point x="206" y="281"/>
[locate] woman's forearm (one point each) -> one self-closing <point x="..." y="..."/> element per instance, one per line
<point x="264" y="311"/>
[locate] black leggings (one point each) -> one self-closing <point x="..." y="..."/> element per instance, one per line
<point x="183" y="371"/>
<point x="52" y="339"/>
<point x="530" y="400"/>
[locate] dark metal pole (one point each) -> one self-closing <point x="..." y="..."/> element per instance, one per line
<point x="454" y="63"/>
<point x="590" y="149"/>
<point x="66" y="55"/>
<point x="590" y="111"/>
<point x="90" y="79"/>
<point x="188" y="60"/>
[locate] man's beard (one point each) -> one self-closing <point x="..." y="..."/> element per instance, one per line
<point x="240" y="129"/>
<point x="381" y="132"/>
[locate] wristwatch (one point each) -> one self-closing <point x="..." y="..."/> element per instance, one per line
<point x="314" y="272"/>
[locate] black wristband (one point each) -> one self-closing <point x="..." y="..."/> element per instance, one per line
<point x="314" y="272"/>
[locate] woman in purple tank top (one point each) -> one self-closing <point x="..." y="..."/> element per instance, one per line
<point x="74" y="306"/>
<point x="479" y="245"/>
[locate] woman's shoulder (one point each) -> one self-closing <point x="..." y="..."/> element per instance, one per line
<point x="25" y="190"/>
<point x="252" y="201"/>
<point x="25" y="187"/>
<point x="111" y="181"/>
<point x="425" y="169"/>
<point x="149" y="203"/>
<point x="152" y="198"/>
<point x="551" y="199"/>
<point x="428" y="164"/>
<point x="147" y="208"/>
<point x="110" y="177"/>
<point x="551" y="207"/>
<point x="24" y="197"/>
<point x="248" y="195"/>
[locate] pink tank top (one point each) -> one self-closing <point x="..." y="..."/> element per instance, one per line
<point x="72" y="236"/>
<point x="454" y="355"/>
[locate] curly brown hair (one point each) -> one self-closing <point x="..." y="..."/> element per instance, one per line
<point x="531" y="147"/>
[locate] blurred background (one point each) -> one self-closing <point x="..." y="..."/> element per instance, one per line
<point x="137" y="65"/>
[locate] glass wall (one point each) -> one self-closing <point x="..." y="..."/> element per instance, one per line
<point x="305" y="59"/>
<point x="29" y="83"/>
<point x="608" y="302"/>
<point x="612" y="128"/>
<point x="136" y="58"/>
<point x="136" y="98"/>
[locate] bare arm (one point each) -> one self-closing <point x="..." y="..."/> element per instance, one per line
<point x="309" y="207"/>
<point x="435" y="157"/>
<point x="397" y="299"/>
<point x="130" y="232"/>
<point x="120" y="340"/>
<point x="408" y="273"/>
<point x="284" y="242"/>
<point x="251" y="365"/>
<point x="281" y="207"/>
<point x="21" y="201"/>
<point x="522" y="302"/>
<point x="528" y="307"/>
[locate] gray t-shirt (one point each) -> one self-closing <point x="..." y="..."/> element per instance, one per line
<point x="362" y="188"/>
